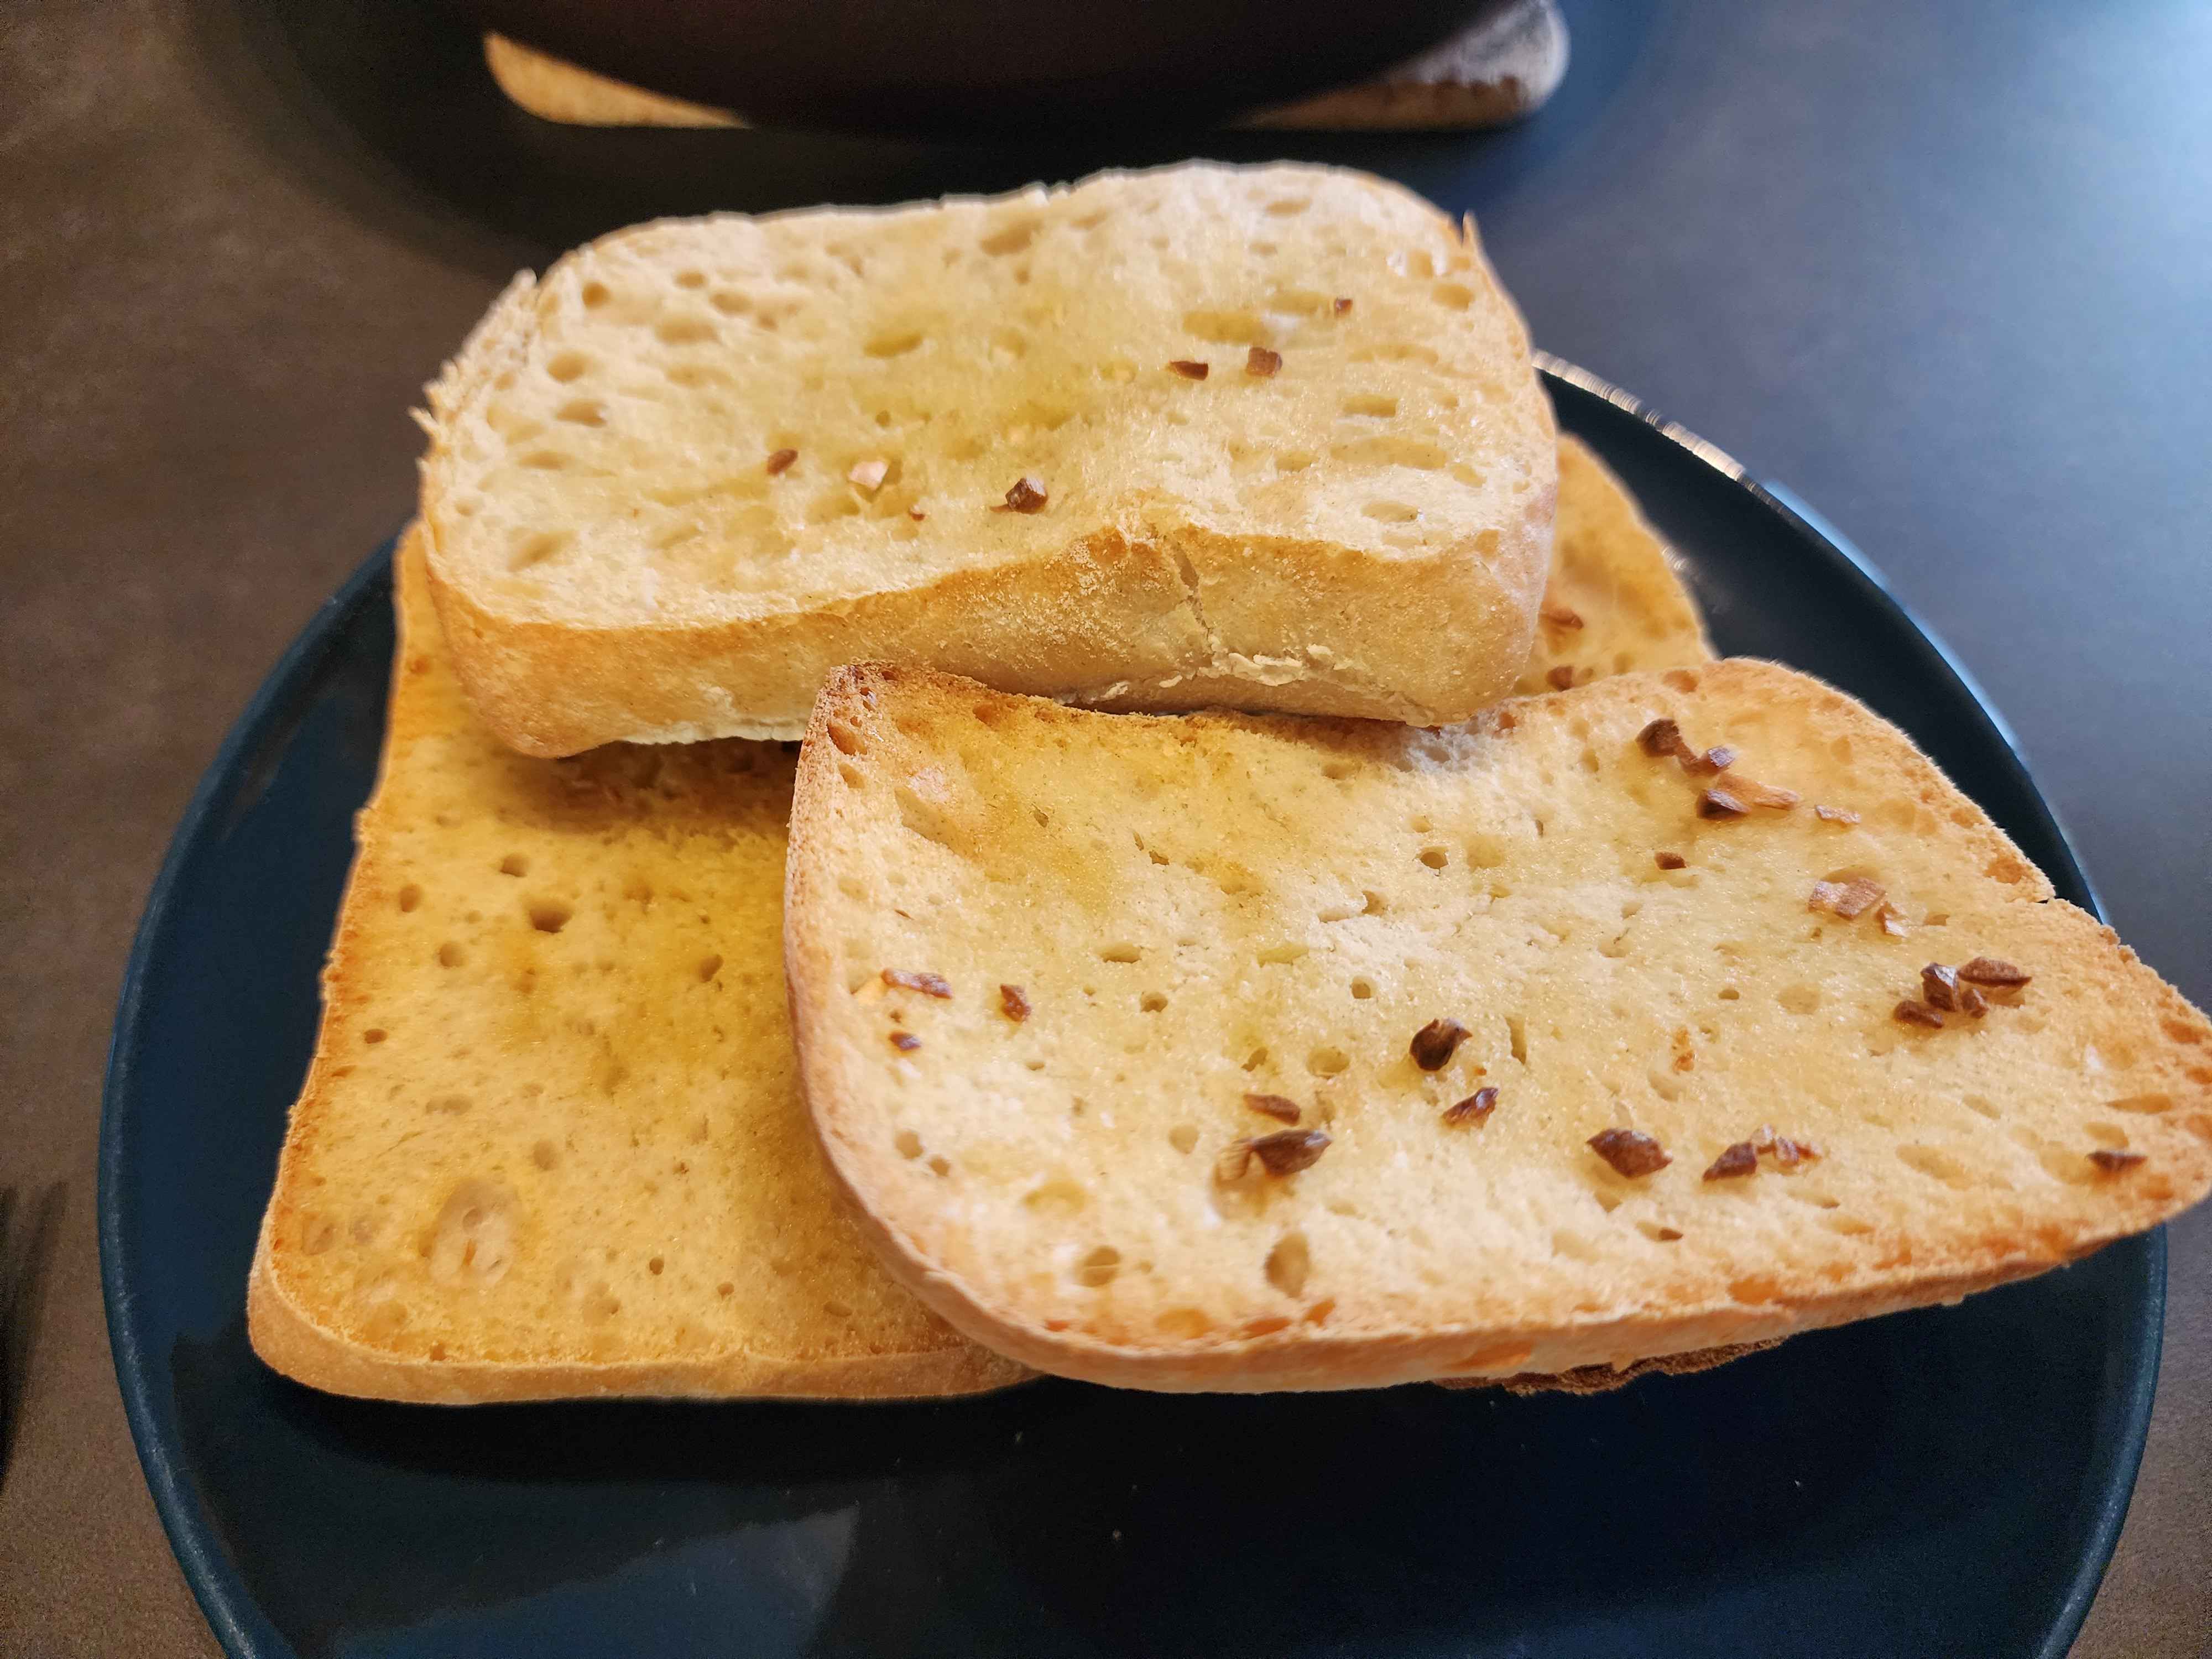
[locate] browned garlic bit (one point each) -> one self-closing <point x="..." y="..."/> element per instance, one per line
<point x="1939" y="987"/>
<point x="1662" y="737"/>
<point x="2112" y="1162"/>
<point x="930" y="984"/>
<point x="781" y="460"/>
<point x="1190" y="370"/>
<point x="1669" y="860"/>
<point x="1275" y="1106"/>
<point x="1771" y="796"/>
<point x="1262" y="362"/>
<point x="1834" y="814"/>
<point x="1848" y="899"/>
<point x="1720" y="805"/>
<point x="1631" y="1152"/>
<point x="1028" y="496"/>
<point x="1474" y="1110"/>
<point x="1013" y="1002"/>
<point x="1892" y="921"/>
<point x="1435" y="1043"/>
<point x="1787" y="1154"/>
<point x="1283" y="1153"/>
<point x="1740" y="1159"/>
<point x="1956" y="990"/>
<point x="1341" y="305"/>
<point x="1743" y="1158"/>
<point x="1289" y="1151"/>
<point x="905" y="1042"/>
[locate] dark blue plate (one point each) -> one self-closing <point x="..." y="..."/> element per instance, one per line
<point x="1942" y="1482"/>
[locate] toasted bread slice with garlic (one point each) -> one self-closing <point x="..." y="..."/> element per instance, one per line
<point x="1266" y="436"/>
<point x="1237" y="1053"/>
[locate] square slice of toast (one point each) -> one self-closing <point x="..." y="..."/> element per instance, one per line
<point x="551" y="1144"/>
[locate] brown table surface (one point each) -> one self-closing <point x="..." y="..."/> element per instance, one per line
<point x="1942" y="269"/>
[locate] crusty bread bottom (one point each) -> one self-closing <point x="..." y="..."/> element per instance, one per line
<point x="1604" y="1379"/>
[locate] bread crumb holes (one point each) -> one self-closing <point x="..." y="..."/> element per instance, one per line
<point x="549" y="916"/>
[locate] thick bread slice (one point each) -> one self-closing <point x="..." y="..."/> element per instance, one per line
<point x="1199" y="910"/>
<point x="551" y="1143"/>
<point x="1362" y="530"/>
<point x="1614" y="602"/>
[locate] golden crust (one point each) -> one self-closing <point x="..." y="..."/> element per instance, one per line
<point x="1110" y="621"/>
<point x="290" y="1337"/>
<point x="1604" y="1379"/>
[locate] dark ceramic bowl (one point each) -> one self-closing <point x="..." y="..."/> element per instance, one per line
<point x="982" y="65"/>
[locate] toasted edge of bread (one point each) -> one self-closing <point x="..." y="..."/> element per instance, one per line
<point x="288" y="1341"/>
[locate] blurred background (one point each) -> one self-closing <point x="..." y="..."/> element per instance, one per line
<point x="1941" y="270"/>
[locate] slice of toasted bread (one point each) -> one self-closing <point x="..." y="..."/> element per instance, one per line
<point x="1262" y="436"/>
<point x="554" y="89"/>
<point x="1213" y="923"/>
<point x="1614" y="602"/>
<point x="551" y="1143"/>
